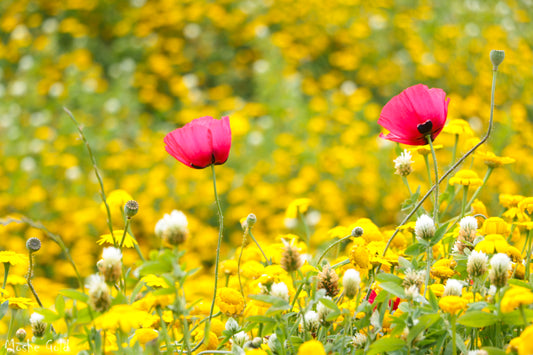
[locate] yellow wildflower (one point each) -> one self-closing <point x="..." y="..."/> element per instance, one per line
<point x="12" y="258"/>
<point x="443" y="269"/>
<point x="256" y="352"/>
<point x="311" y="347"/>
<point x="143" y="336"/>
<point x="459" y="127"/>
<point x="359" y="256"/>
<point x="523" y="344"/>
<point x="492" y="243"/>
<point x="495" y="225"/>
<point x="492" y="160"/>
<point x="229" y="267"/>
<point x="437" y="289"/>
<point x="479" y="208"/>
<point x="452" y="304"/>
<point x="230" y="301"/>
<point x="20" y="303"/>
<point x="300" y="205"/>
<point x="154" y="281"/>
<point x="116" y="238"/>
<point x="515" y="297"/>
<point x="514" y="254"/>
<point x="466" y="177"/>
<point x="426" y="149"/>
<point x="252" y="269"/>
<point x="526" y="205"/>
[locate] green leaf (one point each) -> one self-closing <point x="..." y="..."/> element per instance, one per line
<point x="415" y="249"/>
<point x="75" y="295"/>
<point x="260" y="319"/>
<point x="384" y="345"/>
<point x="393" y="289"/>
<point x="439" y="234"/>
<point x="433" y="300"/>
<point x="477" y="319"/>
<point x="404" y="263"/>
<point x="493" y="351"/>
<point x="60" y="305"/>
<point x="384" y="277"/>
<point x="515" y="317"/>
<point x="424" y="322"/>
<point x="330" y="304"/>
<point x="519" y="283"/>
<point x="155" y="267"/>
<point x="333" y="315"/>
<point x="411" y="201"/>
<point x="49" y="315"/>
<point x="136" y="291"/>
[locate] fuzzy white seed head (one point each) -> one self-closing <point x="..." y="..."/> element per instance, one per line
<point x="453" y="288"/>
<point x="351" y="282"/>
<point x="403" y="164"/>
<point x="173" y="227"/>
<point x="425" y="227"/>
<point x="477" y="263"/>
<point x="280" y="290"/>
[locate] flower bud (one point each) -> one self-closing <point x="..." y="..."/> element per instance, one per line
<point x="131" y="208"/>
<point x="328" y="280"/>
<point x="20" y="334"/>
<point x="38" y="327"/>
<point x="280" y="290"/>
<point x="357" y="232"/>
<point x="250" y="220"/>
<point x="240" y="338"/>
<point x="291" y="259"/>
<point x="403" y="164"/>
<point x="496" y="57"/>
<point x="232" y="325"/>
<point x="33" y="244"/>
<point x="310" y="321"/>
<point x="350" y="282"/>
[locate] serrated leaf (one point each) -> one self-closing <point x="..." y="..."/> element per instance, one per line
<point x="477" y="319"/>
<point x="384" y="277"/>
<point x="386" y="345"/>
<point x="75" y="295"/>
<point x="60" y="305"/>
<point x="424" y="322"/>
<point x="393" y="289"/>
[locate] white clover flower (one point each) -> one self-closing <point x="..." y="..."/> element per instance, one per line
<point x="403" y="164"/>
<point x="359" y="340"/>
<point x="500" y="267"/>
<point x="477" y="263"/>
<point x="280" y="290"/>
<point x="310" y="321"/>
<point x="232" y="325"/>
<point x="99" y="294"/>
<point x="351" y="281"/>
<point x="468" y="224"/>
<point x="240" y="338"/>
<point x="323" y="311"/>
<point x="173" y="227"/>
<point x="110" y="266"/>
<point x="36" y="318"/>
<point x="453" y="288"/>
<point x="38" y="326"/>
<point x="273" y="342"/>
<point x="425" y="227"/>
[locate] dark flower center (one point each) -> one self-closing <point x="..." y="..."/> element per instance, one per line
<point x="425" y="128"/>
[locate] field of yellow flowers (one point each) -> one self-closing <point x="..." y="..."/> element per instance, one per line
<point x="304" y="217"/>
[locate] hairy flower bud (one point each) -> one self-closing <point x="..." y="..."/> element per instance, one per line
<point x="328" y="280"/>
<point x="290" y="259"/>
<point x="453" y="288"/>
<point x="425" y="227"/>
<point x="21" y="334"/>
<point x="403" y="164"/>
<point x="250" y="220"/>
<point x="33" y="244"/>
<point x="173" y="227"/>
<point x="131" y="208"/>
<point x="38" y="327"/>
<point x="357" y="232"/>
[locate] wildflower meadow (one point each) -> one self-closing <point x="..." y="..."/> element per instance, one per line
<point x="266" y="177"/>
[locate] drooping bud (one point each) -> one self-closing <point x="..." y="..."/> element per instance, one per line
<point x="328" y="280"/>
<point x="33" y="244"/>
<point x="131" y="208"/>
<point x="496" y="57"/>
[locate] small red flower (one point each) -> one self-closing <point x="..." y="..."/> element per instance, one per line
<point x="413" y="114"/>
<point x="201" y="142"/>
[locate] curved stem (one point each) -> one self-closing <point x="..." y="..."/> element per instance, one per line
<point x="260" y="249"/>
<point x="485" y="179"/>
<point x="329" y="248"/>
<point x="406" y="183"/>
<point x="124" y="234"/>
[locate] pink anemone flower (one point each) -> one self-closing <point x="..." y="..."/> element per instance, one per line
<point x="414" y="114"/>
<point x="201" y="142"/>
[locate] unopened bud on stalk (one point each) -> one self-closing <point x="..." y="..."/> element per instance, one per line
<point x="173" y="227"/>
<point x="357" y="232"/>
<point x="20" y="334"/>
<point x="131" y="208"/>
<point x="496" y="57"/>
<point x="33" y="244"/>
<point x="250" y="220"/>
<point x="38" y="327"/>
<point x="232" y="325"/>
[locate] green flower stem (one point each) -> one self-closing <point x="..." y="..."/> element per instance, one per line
<point x="306" y="229"/>
<point x="523" y="313"/>
<point x="259" y="246"/>
<point x="485" y="179"/>
<point x="464" y="203"/>
<point x="28" y="280"/>
<point x="127" y="224"/>
<point x="164" y="330"/>
<point x="528" y="257"/>
<point x="239" y="264"/>
<point x="93" y="160"/>
<point x="331" y="246"/>
<point x="454" y="151"/>
<point x="446" y="174"/>
<point x="11" y="328"/>
<point x="6" y="272"/>
<point x="406" y="183"/>
<point x="428" y="269"/>
<point x="428" y="169"/>
<point x="436" y="170"/>
<point x="220" y="231"/>
<point x="454" y="335"/>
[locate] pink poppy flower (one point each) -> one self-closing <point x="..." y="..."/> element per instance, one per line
<point x="201" y="142"/>
<point x="413" y="114"/>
